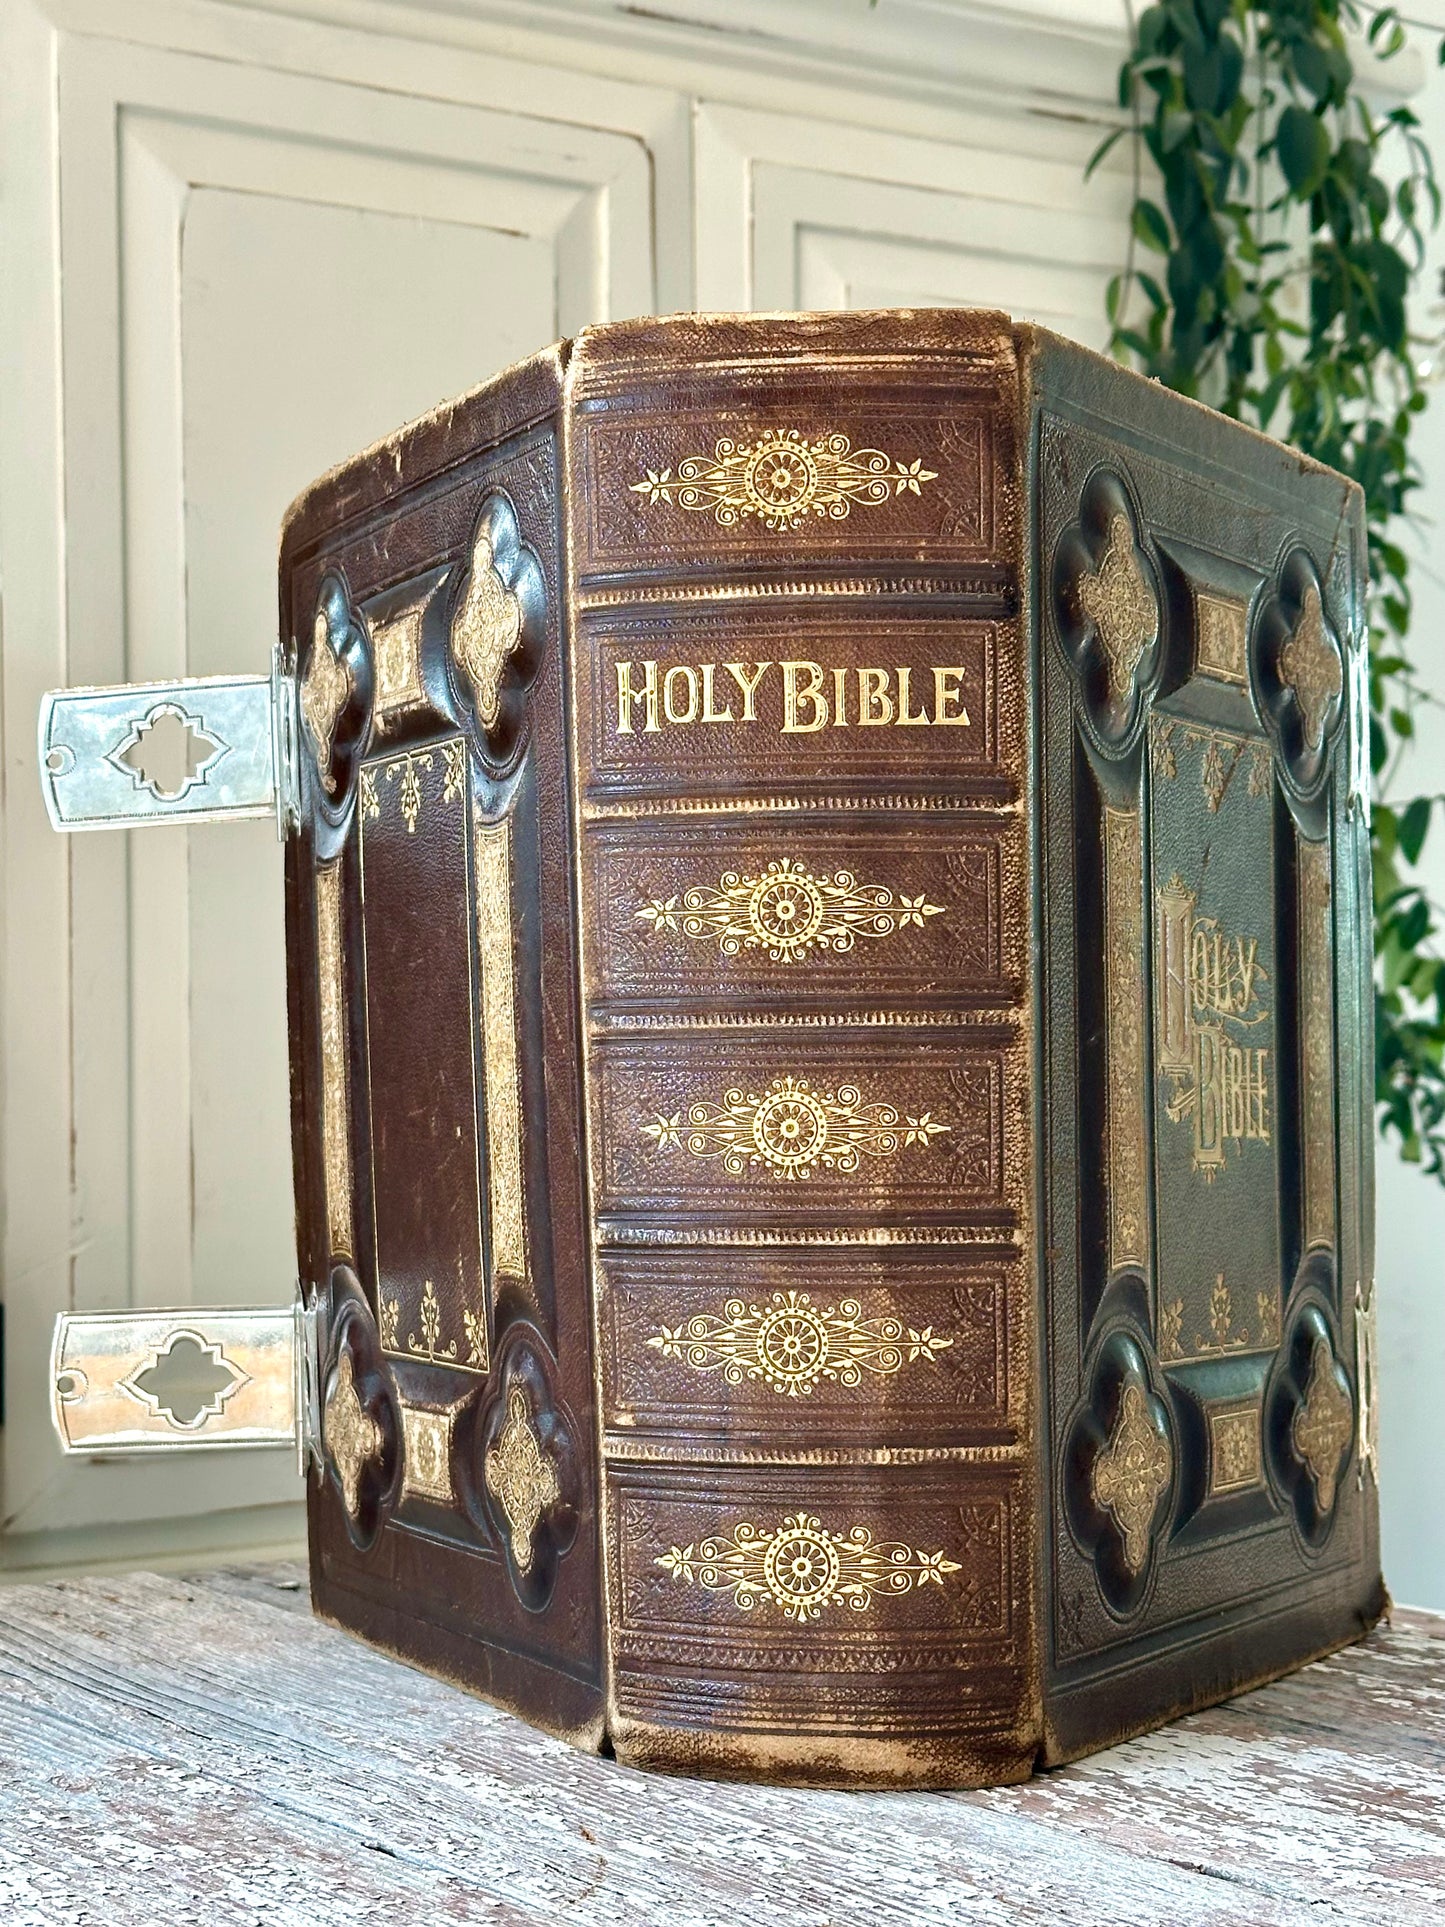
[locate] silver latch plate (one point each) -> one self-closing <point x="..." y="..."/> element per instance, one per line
<point x="133" y="1382"/>
<point x="93" y="742"/>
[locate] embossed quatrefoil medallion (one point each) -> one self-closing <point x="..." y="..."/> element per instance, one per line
<point x="498" y="624"/>
<point x="520" y="1477"/>
<point x="1309" y="665"/>
<point x="1121" y="1457"/>
<point x="325" y="689"/>
<point x="1132" y="1474"/>
<point x="1298" y="671"/>
<point x="1108" y="611"/>
<point x="1323" y="1425"/>
<point x="1119" y="602"/>
<point x="350" y="1434"/>
<point x="486" y="629"/>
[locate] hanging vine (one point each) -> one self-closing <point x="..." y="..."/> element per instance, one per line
<point x="1288" y="221"/>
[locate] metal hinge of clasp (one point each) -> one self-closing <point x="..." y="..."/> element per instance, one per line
<point x="242" y="752"/>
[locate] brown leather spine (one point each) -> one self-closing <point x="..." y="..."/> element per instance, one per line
<point x="800" y="741"/>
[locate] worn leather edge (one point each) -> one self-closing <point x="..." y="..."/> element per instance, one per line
<point x="565" y="1707"/>
<point x="1087" y="1719"/>
<point x="962" y="1763"/>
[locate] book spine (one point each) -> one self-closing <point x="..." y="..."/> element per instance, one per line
<point x="802" y="870"/>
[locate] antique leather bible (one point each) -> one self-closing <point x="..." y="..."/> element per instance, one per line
<point x="828" y="951"/>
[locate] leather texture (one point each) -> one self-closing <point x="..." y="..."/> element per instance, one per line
<point x="829" y="971"/>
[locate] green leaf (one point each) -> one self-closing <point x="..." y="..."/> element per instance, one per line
<point x="1104" y="148"/>
<point x="1313" y="68"/>
<point x="1414" y="825"/>
<point x="1150" y="227"/>
<point x="1302" y="144"/>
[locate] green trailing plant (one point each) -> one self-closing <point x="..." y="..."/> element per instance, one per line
<point x="1278" y="226"/>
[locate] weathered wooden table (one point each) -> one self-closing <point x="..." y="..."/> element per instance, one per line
<point x="199" y="1750"/>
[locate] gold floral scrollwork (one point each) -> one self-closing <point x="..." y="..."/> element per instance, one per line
<point x="1309" y="664"/>
<point x="782" y="478"/>
<point x="350" y="1434"/>
<point x="485" y="630"/>
<point x="411" y="791"/>
<point x="1131" y="1475"/>
<point x="1367" y="1378"/>
<point x="388" y="1318"/>
<point x="325" y="691"/>
<point x="475" y="1324"/>
<point x="520" y="1478"/>
<point x="1323" y="1425"/>
<point x="792" y="1344"/>
<point x="1317" y="1041"/>
<point x="790" y="1129"/>
<point x="1117" y="598"/>
<point x="787" y="911"/>
<point x="804" y="1569"/>
<point x="429" y="1345"/>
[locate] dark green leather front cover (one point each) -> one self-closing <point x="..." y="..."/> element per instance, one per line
<point x="1204" y="1090"/>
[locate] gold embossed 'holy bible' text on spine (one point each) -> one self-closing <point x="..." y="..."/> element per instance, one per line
<point x="829" y="983"/>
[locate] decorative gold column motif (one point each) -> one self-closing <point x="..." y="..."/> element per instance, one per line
<point x="1127" y="1071"/>
<point x="493" y="843"/>
<point x="1317" y="1042"/>
<point x="335" y="1106"/>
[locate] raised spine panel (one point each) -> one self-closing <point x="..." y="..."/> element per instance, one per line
<point x="799" y="738"/>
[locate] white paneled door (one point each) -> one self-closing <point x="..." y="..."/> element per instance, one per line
<point x="830" y="215"/>
<point x="233" y="276"/>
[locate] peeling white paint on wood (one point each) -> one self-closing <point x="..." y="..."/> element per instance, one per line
<point x="200" y="1751"/>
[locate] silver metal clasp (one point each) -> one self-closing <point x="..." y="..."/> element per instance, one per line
<point x="232" y="752"/>
<point x="125" y="1382"/>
